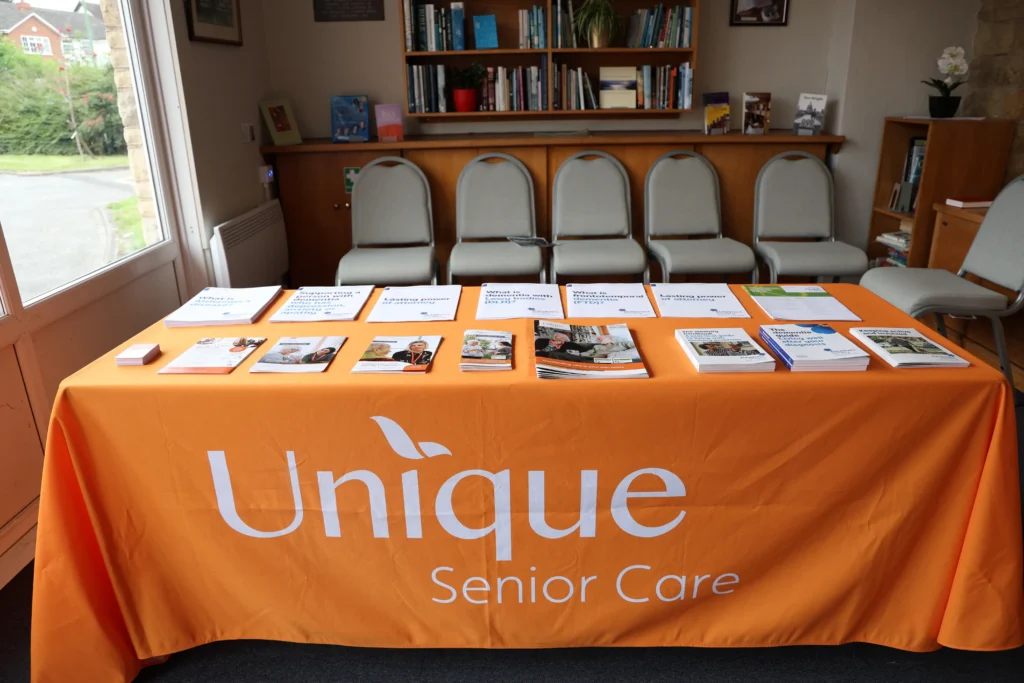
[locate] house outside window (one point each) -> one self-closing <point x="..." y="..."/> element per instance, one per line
<point x="36" y="45"/>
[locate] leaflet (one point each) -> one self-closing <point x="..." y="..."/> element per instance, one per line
<point x="398" y="354"/>
<point x="223" y="306"/>
<point x="724" y="350"/>
<point x="503" y="302"/>
<point x="697" y="300"/>
<point x="486" y="350"/>
<point x="318" y="304"/>
<point x="798" y="302"/>
<point x="608" y="301"/>
<point x="814" y="347"/>
<point x="213" y="356"/>
<point x="585" y="351"/>
<point x="299" y="355"/>
<point x="905" y="347"/>
<point x="416" y="304"/>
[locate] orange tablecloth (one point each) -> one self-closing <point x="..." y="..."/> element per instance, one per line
<point x="801" y="508"/>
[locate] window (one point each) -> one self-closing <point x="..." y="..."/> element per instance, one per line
<point x="36" y="45"/>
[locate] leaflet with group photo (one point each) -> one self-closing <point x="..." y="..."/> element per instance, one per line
<point x="506" y="301"/>
<point x="398" y="354"/>
<point x="318" y="304"/>
<point x="486" y="350"/>
<point x="416" y="304"/>
<point x="608" y="301"/>
<point x="697" y="300"/>
<point x="299" y="355"/>
<point x="585" y="351"/>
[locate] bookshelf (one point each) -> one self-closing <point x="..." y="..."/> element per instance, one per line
<point x="508" y="55"/>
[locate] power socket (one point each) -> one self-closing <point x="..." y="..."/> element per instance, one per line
<point x="248" y="133"/>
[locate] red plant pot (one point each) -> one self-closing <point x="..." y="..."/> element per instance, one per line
<point x="465" y="100"/>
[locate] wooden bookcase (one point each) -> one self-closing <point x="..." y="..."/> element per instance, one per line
<point x="508" y="55"/>
<point x="963" y="158"/>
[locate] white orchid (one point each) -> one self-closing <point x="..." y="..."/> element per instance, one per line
<point x="953" y="65"/>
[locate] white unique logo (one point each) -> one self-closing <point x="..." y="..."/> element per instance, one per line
<point x="401" y="443"/>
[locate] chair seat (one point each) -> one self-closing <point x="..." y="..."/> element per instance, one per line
<point x="703" y="255"/>
<point x="813" y="258"/>
<point x="598" y="257"/>
<point x="482" y="259"/>
<point x="386" y="266"/>
<point x="913" y="290"/>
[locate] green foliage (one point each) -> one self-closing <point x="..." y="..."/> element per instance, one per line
<point x="469" y="78"/>
<point x="597" y="16"/>
<point x="945" y="87"/>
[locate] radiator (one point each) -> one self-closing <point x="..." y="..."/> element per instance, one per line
<point x="251" y="250"/>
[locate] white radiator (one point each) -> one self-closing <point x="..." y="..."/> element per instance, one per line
<point x="251" y="250"/>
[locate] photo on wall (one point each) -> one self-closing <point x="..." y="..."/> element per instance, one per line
<point x="759" y="13"/>
<point x="214" y="21"/>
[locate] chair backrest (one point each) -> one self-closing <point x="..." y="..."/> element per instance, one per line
<point x="494" y="199"/>
<point x="793" y="198"/>
<point x="391" y="204"/>
<point x="997" y="253"/>
<point x="591" y="197"/>
<point x="681" y="196"/>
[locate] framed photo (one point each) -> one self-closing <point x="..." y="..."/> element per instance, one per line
<point x="214" y="21"/>
<point x="280" y="120"/>
<point x="759" y="13"/>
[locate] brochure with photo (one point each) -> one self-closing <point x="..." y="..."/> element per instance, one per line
<point x="798" y="302"/>
<point x="320" y="304"/>
<point x="398" y="354"/>
<point x="299" y="355"/>
<point x="416" y="304"/>
<point x="223" y="306"/>
<point x="213" y="356"/>
<point x="507" y="301"/>
<point x="608" y="301"/>
<point x="585" y="351"/>
<point x="724" y="350"/>
<point x="486" y="350"/>
<point x="814" y="348"/>
<point x="905" y="347"/>
<point x="697" y="300"/>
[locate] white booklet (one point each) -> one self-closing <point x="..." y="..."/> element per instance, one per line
<point x="137" y="354"/>
<point x="486" y="350"/>
<point x="814" y="348"/>
<point x="416" y="304"/>
<point x="398" y="354"/>
<point x="608" y="301"/>
<point x="223" y="306"/>
<point x="566" y="351"/>
<point x="724" y="350"/>
<point x="697" y="300"/>
<point x="502" y="302"/>
<point x="299" y="355"/>
<point x="213" y="356"/>
<point x="316" y="304"/>
<point x="798" y="302"/>
<point x="905" y="347"/>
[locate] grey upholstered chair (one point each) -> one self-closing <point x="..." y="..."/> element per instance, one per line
<point x="681" y="199"/>
<point x="494" y="201"/>
<point x="392" y="227"/>
<point x="793" y="198"/>
<point x="997" y="255"/>
<point x="590" y="202"/>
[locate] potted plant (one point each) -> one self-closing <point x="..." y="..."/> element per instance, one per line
<point x="465" y="83"/>
<point x="597" y="23"/>
<point x="952" y="65"/>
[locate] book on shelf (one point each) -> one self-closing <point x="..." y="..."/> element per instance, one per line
<point x="299" y="355"/>
<point x="798" y="302"/>
<point x="323" y="304"/>
<point x="913" y="165"/>
<point x="485" y="32"/>
<point x="716" y="113"/>
<point x="137" y="354"/>
<point x="608" y="300"/>
<point x="897" y="240"/>
<point x="389" y="354"/>
<point x="897" y="257"/>
<point x="618" y="87"/>
<point x="486" y="350"/>
<point x="810" y="114"/>
<point x="757" y="112"/>
<point x="213" y="356"/>
<point x="428" y="89"/>
<point x="906" y="225"/>
<point x="533" y="29"/>
<point x="814" y="348"/>
<point x="564" y="351"/>
<point x="969" y="203"/>
<point x="223" y="306"/>
<point x="350" y="118"/>
<point x="420" y="303"/>
<point x="905" y="347"/>
<point x="388" y="118"/>
<point x="458" y="26"/>
<point x="696" y="300"/>
<point x="660" y="27"/>
<point x="408" y="25"/>
<point x="527" y="300"/>
<point x="724" y="350"/>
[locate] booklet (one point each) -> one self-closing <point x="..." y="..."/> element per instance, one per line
<point x="585" y="351"/>
<point x="486" y="350"/>
<point x="798" y="302"/>
<point x="697" y="300"/>
<point x="213" y="356"/>
<point x="814" y="348"/>
<point x="223" y="306"/>
<point x="502" y="302"/>
<point x="416" y="304"/>
<point x="137" y="354"/>
<point x="299" y="354"/>
<point x="318" y="304"/>
<point x="905" y="347"/>
<point x="608" y="301"/>
<point x="398" y="354"/>
<point x="724" y="350"/>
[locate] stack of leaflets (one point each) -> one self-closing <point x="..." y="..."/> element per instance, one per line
<point x="608" y="301"/>
<point x="502" y="302"/>
<point x="299" y="355"/>
<point x="416" y="304"/>
<point x="585" y="351"/>
<point x="137" y="354"/>
<point x="798" y="302"/>
<point x="697" y="300"/>
<point x="223" y="306"/>
<point x="213" y="356"/>
<point x="318" y="304"/>
<point x="724" y="350"/>
<point x="486" y="350"/>
<point x="905" y="347"/>
<point x="814" y="348"/>
<point x="398" y="354"/>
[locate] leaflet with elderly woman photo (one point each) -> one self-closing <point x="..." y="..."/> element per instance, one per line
<point x="585" y="351"/>
<point x="398" y="354"/>
<point x="486" y="350"/>
<point x="299" y="355"/>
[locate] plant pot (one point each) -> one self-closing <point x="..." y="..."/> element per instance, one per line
<point x="943" y="107"/>
<point x="600" y="38"/>
<point x="465" y="100"/>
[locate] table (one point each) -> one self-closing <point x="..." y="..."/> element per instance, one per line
<point x="683" y="510"/>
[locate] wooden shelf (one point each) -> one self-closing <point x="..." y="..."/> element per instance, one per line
<point x="893" y="214"/>
<point x="582" y="113"/>
<point x="477" y="53"/>
<point x="621" y="50"/>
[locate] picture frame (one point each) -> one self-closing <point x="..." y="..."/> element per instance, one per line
<point x="280" y="121"/>
<point x="214" y="21"/>
<point x="759" y="12"/>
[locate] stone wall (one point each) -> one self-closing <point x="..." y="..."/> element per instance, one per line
<point x="996" y="85"/>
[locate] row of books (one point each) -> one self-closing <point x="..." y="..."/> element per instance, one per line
<point x="573" y="91"/>
<point x="626" y="87"/>
<point x="523" y="88"/>
<point x="564" y="30"/>
<point x="660" y="27"/>
<point x="533" y="28"/>
<point x="757" y="112"/>
<point x="427" y="88"/>
<point x="432" y="29"/>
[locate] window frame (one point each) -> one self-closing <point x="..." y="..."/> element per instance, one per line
<point x="42" y="40"/>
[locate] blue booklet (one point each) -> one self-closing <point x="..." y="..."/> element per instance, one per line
<point x="350" y="118"/>
<point x="485" y="31"/>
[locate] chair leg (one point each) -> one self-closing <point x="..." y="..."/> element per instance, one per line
<point x="773" y="276"/>
<point x="451" y="277"/>
<point x="755" y="274"/>
<point x="543" y="275"/>
<point x="835" y="279"/>
<point x="647" y="273"/>
<point x="940" y="324"/>
<point x="433" y="274"/>
<point x="1004" y="353"/>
